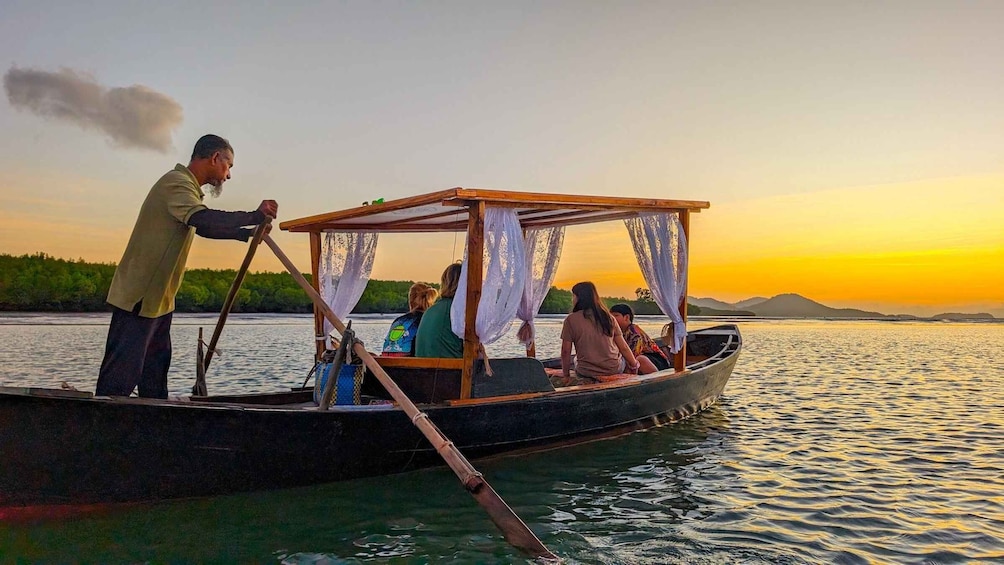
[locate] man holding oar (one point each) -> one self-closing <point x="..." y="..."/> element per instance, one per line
<point x="138" y="350"/>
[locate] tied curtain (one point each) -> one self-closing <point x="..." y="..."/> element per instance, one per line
<point x="346" y="264"/>
<point x="661" y="249"/>
<point x="543" y="251"/>
<point x="504" y="277"/>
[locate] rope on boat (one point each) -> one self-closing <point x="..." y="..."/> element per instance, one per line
<point x="484" y="356"/>
<point x="419" y="416"/>
<point x="310" y="374"/>
<point x="215" y="351"/>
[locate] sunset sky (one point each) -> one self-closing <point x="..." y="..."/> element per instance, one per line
<point x="852" y="152"/>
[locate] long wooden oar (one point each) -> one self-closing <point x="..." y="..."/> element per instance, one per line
<point x="515" y="531"/>
<point x="259" y="233"/>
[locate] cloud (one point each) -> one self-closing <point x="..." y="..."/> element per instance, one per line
<point x="133" y="116"/>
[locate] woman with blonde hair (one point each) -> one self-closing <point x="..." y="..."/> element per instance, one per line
<point x="600" y="349"/>
<point x="435" y="333"/>
<point x="400" y="340"/>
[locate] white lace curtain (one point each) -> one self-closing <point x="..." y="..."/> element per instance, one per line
<point x="346" y="263"/>
<point x="504" y="276"/>
<point x="543" y="251"/>
<point x="661" y="249"/>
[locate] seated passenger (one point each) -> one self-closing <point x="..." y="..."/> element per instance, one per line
<point x="600" y="348"/>
<point x="400" y="340"/>
<point x="645" y="349"/>
<point x="435" y="334"/>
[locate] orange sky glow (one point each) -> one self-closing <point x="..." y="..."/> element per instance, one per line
<point x="851" y="152"/>
<point x="895" y="248"/>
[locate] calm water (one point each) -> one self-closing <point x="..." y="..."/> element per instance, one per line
<point x="835" y="442"/>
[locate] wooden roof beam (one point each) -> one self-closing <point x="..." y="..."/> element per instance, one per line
<point x="525" y="199"/>
<point x="671" y="206"/>
<point x="581" y="220"/>
<point x="311" y="223"/>
<point x="417" y="219"/>
<point x="397" y="228"/>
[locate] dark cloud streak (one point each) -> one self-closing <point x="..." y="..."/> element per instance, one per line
<point x="133" y="116"/>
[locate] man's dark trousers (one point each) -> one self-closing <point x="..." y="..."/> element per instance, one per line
<point x="138" y="352"/>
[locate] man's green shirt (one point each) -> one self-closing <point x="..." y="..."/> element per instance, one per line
<point x="153" y="264"/>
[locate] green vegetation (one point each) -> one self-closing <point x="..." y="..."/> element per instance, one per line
<point x="40" y="283"/>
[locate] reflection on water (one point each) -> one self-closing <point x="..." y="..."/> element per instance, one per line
<point x="849" y="442"/>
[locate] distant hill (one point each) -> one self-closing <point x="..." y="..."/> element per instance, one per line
<point x="711" y="303"/>
<point x="782" y="306"/>
<point x="706" y="311"/>
<point x="749" y="303"/>
<point x="961" y="316"/>
<point x="724" y="307"/>
<point x="796" y="306"/>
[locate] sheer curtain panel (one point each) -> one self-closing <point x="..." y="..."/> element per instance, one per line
<point x="661" y="249"/>
<point x="543" y="251"/>
<point x="504" y="277"/>
<point x="346" y="264"/>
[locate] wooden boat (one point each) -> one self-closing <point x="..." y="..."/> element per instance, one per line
<point x="66" y="447"/>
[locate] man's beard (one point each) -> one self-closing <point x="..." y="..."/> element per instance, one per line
<point x="215" y="190"/>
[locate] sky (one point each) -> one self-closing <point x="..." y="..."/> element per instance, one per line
<point x="852" y="152"/>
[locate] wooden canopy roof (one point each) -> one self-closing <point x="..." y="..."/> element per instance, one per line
<point x="448" y="210"/>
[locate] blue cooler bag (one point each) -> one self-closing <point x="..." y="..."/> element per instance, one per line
<point x="346" y="387"/>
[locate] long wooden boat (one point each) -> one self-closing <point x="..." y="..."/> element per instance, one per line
<point x="65" y="447"/>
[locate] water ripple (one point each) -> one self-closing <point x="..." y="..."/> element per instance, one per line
<point x="836" y="442"/>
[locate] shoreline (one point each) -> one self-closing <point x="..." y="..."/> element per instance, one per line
<point x="10" y="317"/>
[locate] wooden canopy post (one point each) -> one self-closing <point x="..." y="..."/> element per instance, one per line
<point x="320" y="339"/>
<point x="475" y="277"/>
<point x="680" y="357"/>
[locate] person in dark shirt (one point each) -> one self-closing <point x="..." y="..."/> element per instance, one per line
<point x="645" y="349"/>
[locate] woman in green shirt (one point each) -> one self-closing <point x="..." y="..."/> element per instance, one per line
<point x="435" y="334"/>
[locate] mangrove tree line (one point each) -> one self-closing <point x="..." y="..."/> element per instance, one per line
<point x="42" y="283"/>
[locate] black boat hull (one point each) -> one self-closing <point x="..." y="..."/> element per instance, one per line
<point x="57" y="450"/>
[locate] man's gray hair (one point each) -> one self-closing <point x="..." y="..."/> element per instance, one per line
<point x="209" y="144"/>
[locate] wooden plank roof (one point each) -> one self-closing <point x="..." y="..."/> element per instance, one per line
<point x="447" y="210"/>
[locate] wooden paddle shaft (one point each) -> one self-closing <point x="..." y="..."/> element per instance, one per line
<point x="234" y="287"/>
<point x="460" y="465"/>
<point x="514" y="529"/>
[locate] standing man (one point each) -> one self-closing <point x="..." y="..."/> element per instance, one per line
<point x="138" y="350"/>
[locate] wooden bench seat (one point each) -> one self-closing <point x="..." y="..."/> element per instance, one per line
<point x="436" y="380"/>
<point x="420" y="362"/>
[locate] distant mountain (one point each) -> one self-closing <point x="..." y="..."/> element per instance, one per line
<point x="715" y="304"/>
<point x="961" y="316"/>
<point x="749" y="303"/>
<point x="795" y="306"/>
<point x="706" y="311"/>
<point x="710" y="303"/>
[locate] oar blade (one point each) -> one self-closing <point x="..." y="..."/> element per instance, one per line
<point x="516" y="532"/>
